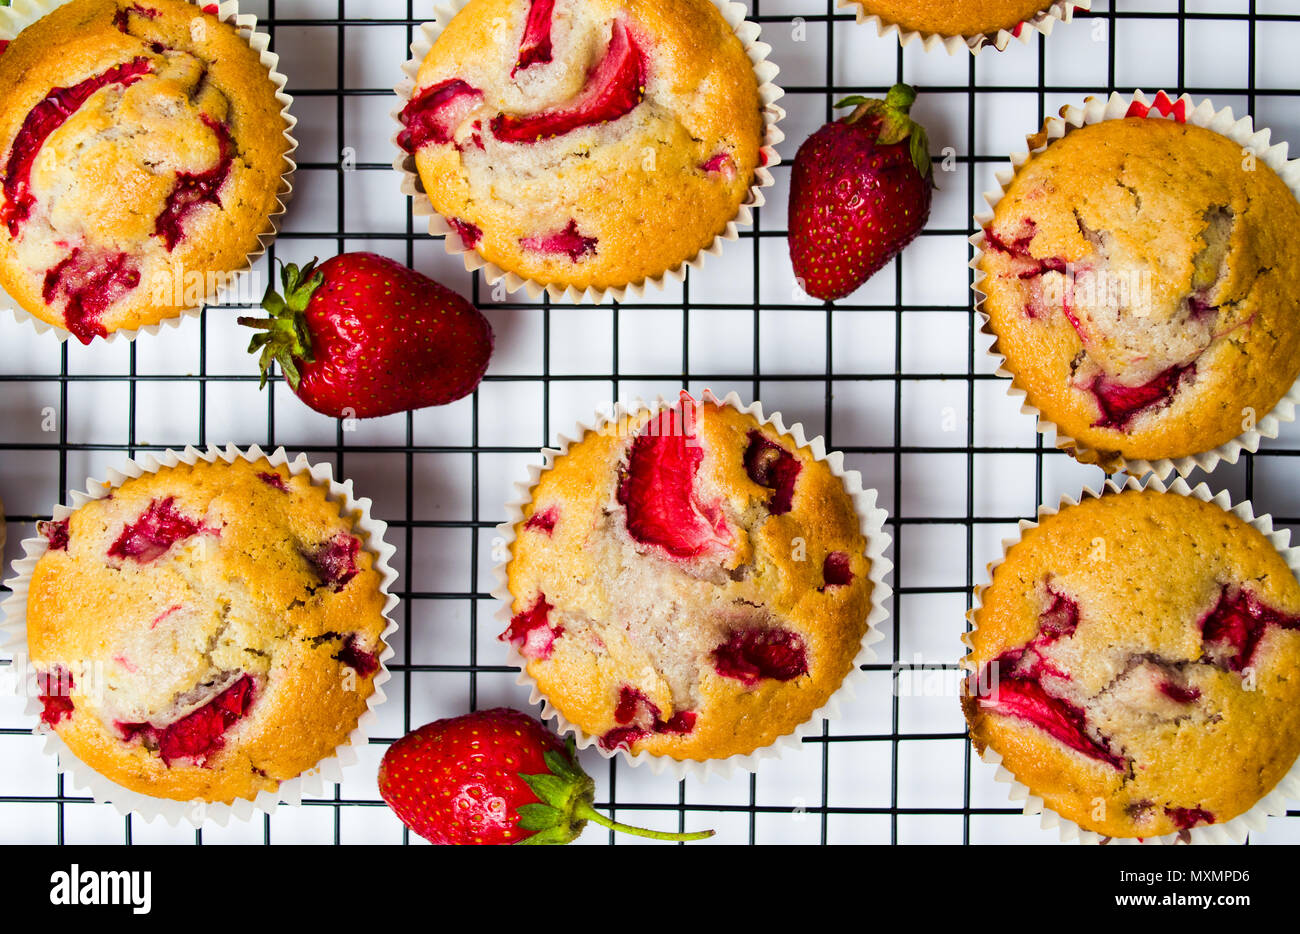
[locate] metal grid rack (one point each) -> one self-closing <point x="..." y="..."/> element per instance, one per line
<point x="895" y="376"/>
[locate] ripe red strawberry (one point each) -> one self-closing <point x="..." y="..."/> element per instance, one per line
<point x="859" y="192"/>
<point x="362" y="336"/>
<point x="493" y="776"/>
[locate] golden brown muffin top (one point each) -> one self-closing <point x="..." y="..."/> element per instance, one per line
<point x="955" y="17"/>
<point x="139" y="142"/>
<point x="1143" y="281"/>
<point x="691" y="587"/>
<point x="1134" y="661"/>
<point x="215" y="628"/>
<point x="587" y="142"/>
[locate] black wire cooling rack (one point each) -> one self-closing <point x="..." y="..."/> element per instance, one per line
<point x="895" y="376"/>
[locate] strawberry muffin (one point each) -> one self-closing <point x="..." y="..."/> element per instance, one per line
<point x="1142" y="277"/>
<point x="688" y="583"/>
<point x="1134" y="661"/>
<point x="206" y="632"/>
<point x="966" y="18"/>
<point x="141" y="153"/>
<point x="586" y="143"/>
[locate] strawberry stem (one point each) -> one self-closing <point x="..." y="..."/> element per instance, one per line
<point x="892" y="123"/>
<point x="900" y="97"/>
<point x="284" y="337"/>
<point x="584" y="811"/>
<point x="564" y="795"/>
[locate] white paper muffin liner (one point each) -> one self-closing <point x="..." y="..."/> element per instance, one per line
<point x="13" y="639"/>
<point x="871" y="522"/>
<point x="1235" y="830"/>
<point x="768" y="93"/>
<point x="23" y="13"/>
<point x="1060" y="11"/>
<point x="1116" y="107"/>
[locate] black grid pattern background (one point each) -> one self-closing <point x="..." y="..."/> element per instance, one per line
<point x="896" y="767"/>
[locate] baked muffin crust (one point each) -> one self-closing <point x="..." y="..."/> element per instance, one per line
<point x="693" y="588"/>
<point x="955" y="17"/>
<point x="1143" y="281"/>
<point x="586" y="142"/>
<point x="139" y="143"/>
<point x="205" y="632"/>
<point x="1134" y="662"/>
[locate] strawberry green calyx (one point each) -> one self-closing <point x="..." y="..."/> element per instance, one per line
<point x="565" y="795"/>
<point x="895" y="125"/>
<point x="283" y="337"/>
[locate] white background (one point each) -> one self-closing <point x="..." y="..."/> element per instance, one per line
<point x="889" y="375"/>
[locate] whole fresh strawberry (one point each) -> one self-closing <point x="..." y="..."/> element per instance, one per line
<point x="859" y="192"/>
<point x="361" y="336"/>
<point x="493" y="776"/>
